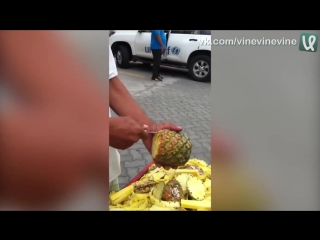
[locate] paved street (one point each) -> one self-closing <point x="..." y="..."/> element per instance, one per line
<point x="178" y="100"/>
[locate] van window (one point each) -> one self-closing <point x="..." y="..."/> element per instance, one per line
<point x="200" y="32"/>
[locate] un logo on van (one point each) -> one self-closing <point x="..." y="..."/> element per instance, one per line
<point x="175" y="51"/>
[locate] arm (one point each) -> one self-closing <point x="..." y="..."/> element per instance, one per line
<point x="123" y="104"/>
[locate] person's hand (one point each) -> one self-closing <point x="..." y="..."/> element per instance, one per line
<point x="148" y="139"/>
<point x="124" y="132"/>
<point x="163" y="50"/>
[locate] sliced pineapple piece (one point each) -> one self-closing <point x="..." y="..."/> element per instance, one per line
<point x="193" y="172"/>
<point x="169" y="175"/>
<point x="159" y="203"/>
<point x="139" y="197"/>
<point x="182" y="179"/>
<point x="143" y="204"/>
<point x="121" y="195"/>
<point x="207" y="198"/>
<point x="197" y="162"/>
<point x="144" y="178"/>
<point x="112" y="192"/>
<point x="196" y="188"/>
<point x="157" y="208"/>
<point x="117" y="209"/>
<point x="159" y="177"/>
<point x="203" y="176"/>
<point x="144" y="187"/>
<point x="206" y="170"/>
<point x="197" y="205"/>
<point x="158" y="190"/>
<point x="207" y="185"/>
<point x="170" y="171"/>
<point x="152" y="167"/>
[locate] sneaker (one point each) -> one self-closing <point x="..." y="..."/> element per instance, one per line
<point x="160" y="78"/>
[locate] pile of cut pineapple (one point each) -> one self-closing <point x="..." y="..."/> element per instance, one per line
<point x="187" y="188"/>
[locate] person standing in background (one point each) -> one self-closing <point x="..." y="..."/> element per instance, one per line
<point x="158" y="47"/>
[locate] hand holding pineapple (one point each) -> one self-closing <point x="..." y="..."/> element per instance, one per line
<point x="125" y="131"/>
<point x="151" y="143"/>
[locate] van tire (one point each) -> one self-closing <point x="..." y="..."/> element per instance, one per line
<point x="205" y="61"/>
<point x="122" y="57"/>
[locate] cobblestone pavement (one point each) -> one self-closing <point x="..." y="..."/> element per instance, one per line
<point x="178" y="100"/>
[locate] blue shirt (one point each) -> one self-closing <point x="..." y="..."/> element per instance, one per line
<point x="154" y="42"/>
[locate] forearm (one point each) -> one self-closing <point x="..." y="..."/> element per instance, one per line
<point x="160" y="41"/>
<point x="42" y="69"/>
<point x="123" y="104"/>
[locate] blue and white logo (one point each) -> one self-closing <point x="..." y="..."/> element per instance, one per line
<point x="147" y="49"/>
<point x="175" y="51"/>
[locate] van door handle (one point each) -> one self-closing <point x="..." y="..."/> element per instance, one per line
<point x="194" y="40"/>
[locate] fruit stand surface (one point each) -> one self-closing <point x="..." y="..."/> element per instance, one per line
<point x="140" y="174"/>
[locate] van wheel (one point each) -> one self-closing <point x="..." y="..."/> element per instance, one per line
<point x="122" y="57"/>
<point x="200" y="68"/>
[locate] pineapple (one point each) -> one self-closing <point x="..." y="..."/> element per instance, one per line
<point x="144" y="187"/>
<point x="172" y="191"/>
<point x="157" y="192"/>
<point x="166" y="204"/>
<point x="197" y="162"/>
<point x="152" y="167"/>
<point x="207" y="184"/>
<point x="196" y="205"/>
<point x="182" y="179"/>
<point x="201" y="167"/>
<point x="196" y="188"/>
<point x="156" y="208"/>
<point x="120" y="196"/>
<point x="171" y="148"/>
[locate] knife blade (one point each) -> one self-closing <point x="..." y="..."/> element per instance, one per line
<point x="153" y="129"/>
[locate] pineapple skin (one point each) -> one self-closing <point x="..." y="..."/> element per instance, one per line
<point x="173" y="149"/>
<point x="172" y="191"/>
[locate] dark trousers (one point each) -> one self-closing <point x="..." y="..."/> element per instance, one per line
<point x="156" y="62"/>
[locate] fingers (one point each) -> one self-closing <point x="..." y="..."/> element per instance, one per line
<point x="144" y="133"/>
<point x="170" y="126"/>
